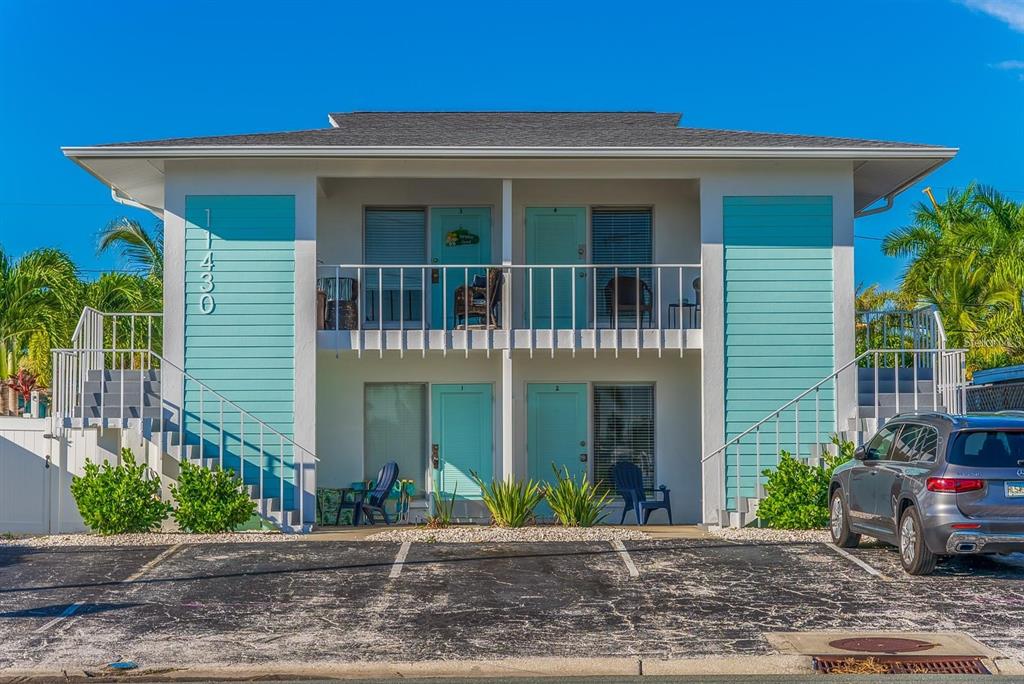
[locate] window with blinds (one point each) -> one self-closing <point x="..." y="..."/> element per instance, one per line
<point x="623" y="430"/>
<point x="395" y="429"/>
<point x="621" y="236"/>
<point x="394" y="236"/>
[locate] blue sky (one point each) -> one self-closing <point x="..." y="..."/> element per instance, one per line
<point x="76" y="73"/>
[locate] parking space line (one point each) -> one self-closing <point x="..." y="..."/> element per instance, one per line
<point x="396" y="568"/>
<point x="68" y="612"/>
<point x="160" y="558"/>
<point x="857" y="561"/>
<point x="626" y="558"/>
<point x="73" y="608"/>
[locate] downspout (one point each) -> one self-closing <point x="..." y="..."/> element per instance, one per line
<point x="120" y="198"/>
<point x="877" y="210"/>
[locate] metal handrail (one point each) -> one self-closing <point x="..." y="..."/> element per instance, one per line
<point x="191" y="378"/>
<point x="72" y="365"/>
<point x="829" y="378"/>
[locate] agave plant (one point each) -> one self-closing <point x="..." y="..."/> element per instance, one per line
<point x="511" y="502"/>
<point x="576" y="504"/>
<point x="442" y="507"/>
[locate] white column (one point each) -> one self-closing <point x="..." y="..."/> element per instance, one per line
<point x="305" y="339"/>
<point x="507" y="465"/>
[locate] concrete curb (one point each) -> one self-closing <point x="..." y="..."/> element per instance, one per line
<point x="505" y="668"/>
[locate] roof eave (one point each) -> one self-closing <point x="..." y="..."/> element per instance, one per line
<point x="192" y="151"/>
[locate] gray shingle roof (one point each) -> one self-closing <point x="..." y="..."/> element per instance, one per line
<point x="519" y="129"/>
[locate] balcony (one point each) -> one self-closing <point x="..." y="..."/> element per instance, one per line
<point x="460" y="307"/>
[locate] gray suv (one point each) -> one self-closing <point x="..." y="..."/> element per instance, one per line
<point x="935" y="484"/>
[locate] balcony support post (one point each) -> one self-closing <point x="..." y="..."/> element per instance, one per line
<point x="507" y="466"/>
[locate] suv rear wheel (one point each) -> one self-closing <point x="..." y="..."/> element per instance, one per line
<point x="914" y="554"/>
<point x="839" y="523"/>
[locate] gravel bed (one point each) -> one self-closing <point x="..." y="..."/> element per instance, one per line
<point x="766" y="535"/>
<point x="150" y="539"/>
<point x="476" y="534"/>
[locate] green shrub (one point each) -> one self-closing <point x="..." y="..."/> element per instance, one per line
<point x="210" y="500"/>
<point x="116" y="500"/>
<point x="576" y="504"/>
<point x="797" y="493"/>
<point x="442" y="508"/>
<point x="511" y="502"/>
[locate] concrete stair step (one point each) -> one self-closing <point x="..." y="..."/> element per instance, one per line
<point x="905" y="373"/>
<point x="115" y="375"/>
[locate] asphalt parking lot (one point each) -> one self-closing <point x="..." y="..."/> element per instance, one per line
<point x="318" y="601"/>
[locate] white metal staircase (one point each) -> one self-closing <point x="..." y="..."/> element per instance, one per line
<point x="911" y="370"/>
<point x="112" y="378"/>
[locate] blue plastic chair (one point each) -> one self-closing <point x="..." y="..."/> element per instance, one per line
<point x="374" y="499"/>
<point x="629" y="484"/>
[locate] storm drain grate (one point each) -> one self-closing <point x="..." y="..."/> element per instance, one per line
<point x="898" y="665"/>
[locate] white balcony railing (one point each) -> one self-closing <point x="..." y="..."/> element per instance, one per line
<point x="571" y="306"/>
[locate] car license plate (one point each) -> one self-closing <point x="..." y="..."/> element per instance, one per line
<point x="1015" y="489"/>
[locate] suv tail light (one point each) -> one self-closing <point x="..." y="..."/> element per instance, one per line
<point x="954" y="485"/>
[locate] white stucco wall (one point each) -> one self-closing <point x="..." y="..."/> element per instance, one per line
<point x="675" y="205"/>
<point x="340" y="406"/>
<point x="687" y="200"/>
<point x="677" y="411"/>
<point x="340" y="402"/>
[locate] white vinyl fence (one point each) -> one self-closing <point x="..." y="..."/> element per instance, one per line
<point x="35" y="476"/>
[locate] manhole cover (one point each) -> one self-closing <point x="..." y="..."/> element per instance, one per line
<point x="898" y="665"/>
<point x="881" y="644"/>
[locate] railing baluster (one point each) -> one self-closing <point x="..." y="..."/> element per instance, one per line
<point x="757" y="462"/>
<point x="778" y="436"/>
<point x="638" y="311"/>
<point x="878" y="418"/>
<point x="202" y="426"/>
<point x="896" y="377"/>
<point x="817" y="421"/>
<point x="263" y="468"/>
<point x="337" y="309"/>
<point x="280" y="474"/>
<point x="796" y="435"/>
<point x="572" y="287"/>
<point x="444" y="308"/>
<point x="913" y="356"/>
<point x="592" y="270"/>
<point x="615" y="299"/>
<point x="529" y="271"/>
<point x="380" y="309"/>
<point x="220" y="449"/>
<point x="423" y="310"/>
<point x="551" y="298"/>
<point x="124" y="418"/>
<point x="739" y="476"/>
<point x="361" y="307"/>
<point x="679" y="312"/>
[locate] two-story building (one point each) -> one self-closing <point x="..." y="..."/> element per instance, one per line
<point x="503" y="292"/>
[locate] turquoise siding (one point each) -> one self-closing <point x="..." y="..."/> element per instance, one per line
<point x="243" y="346"/>
<point x="779" y="336"/>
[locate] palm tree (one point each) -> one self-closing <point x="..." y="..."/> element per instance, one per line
<point x="967" y="258"/>
<point x="141" y="249"/>
<point x="34" y="291"/>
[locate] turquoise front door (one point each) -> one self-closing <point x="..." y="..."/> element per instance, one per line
<point x="459" y="236"/>
<point x="556" y="430"/>
<point x="462" y="437"/>
<point x="556" y="235"/>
